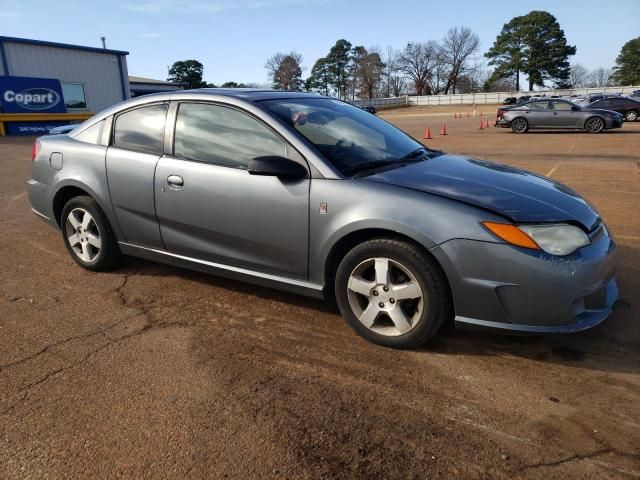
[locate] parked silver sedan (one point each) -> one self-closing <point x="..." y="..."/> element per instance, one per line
<point x="557" y="114"/>
<point x="313" y="195"/>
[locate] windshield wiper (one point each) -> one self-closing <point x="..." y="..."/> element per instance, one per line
<point x="367" y="166"/>
<point x="422" y="150"/>
<point x="416" y="153"/>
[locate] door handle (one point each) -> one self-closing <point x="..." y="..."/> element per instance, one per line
<point x="175" y="180"/>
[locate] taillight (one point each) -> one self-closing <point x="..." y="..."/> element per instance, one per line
<point x="35" y="150"/>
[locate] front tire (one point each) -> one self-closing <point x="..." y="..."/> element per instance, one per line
<point x="594" y="125"/>
<point x="88" y="236"/>
<point x="391" y="293"/>
<point x="631" y="116"/>
<point x="519" y="125"/>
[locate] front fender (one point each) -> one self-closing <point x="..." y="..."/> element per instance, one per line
<point x="354" y="205"/>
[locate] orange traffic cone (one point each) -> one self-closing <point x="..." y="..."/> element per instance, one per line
<point x="427" y="134"/>
<point x="486" y="125"/>
<point x="481" y="127"/>
<point x="443" y="130"/>
<point x="455" y="115"/>
<point x="480" y="113"/>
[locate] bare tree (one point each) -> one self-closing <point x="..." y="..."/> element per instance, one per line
<point x="438" y="78"/>
<point x="600" y="77"/>
<point x="578" y="76"/>
<point x="393" y="76"/>
<point x="457" y="48"/>
<point x="285" y="70"/>
<point x="417" y="62"/>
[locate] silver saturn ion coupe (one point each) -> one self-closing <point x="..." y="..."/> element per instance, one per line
<point x="312" y="195"/>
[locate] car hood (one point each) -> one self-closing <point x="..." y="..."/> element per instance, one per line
<point x="520" y="196"/>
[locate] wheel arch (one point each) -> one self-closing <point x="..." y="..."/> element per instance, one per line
<point x="73" y="188"/>
<point x="348" y="241"/>
<point x="595" y="115"/>
<point x="523" y="118"/>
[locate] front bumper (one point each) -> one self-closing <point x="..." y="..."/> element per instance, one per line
<point x="615" y="123"/>
<point x="501" y="287"/>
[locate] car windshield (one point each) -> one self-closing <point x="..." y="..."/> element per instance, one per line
<point x="350" y="138"/>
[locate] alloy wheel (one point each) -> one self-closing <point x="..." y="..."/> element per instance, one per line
<point x="385" y="296"/>
<point x="519" y="125"/>
<point x="631" y="116"/>
<point x="83" y="235"/>
<point x="595" y="125"/>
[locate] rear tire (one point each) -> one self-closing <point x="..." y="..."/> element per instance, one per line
<point x="391" y="293"/>
<point x="519" y="125"/>
<point x="594" y="125"/>
<point x="631" y="116"/>
<point x="88" y="236"/>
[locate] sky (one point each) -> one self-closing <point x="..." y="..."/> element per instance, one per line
<point x="233" y="38"/>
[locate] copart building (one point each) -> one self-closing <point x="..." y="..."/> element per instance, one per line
<point x="47" y="84"/>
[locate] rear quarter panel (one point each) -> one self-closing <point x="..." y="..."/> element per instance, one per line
<point x="83" y="166"/>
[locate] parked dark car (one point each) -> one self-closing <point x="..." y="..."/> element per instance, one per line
<point x="369" y="108"/>
<point x="557" y="114"/>
<point x="626" y="106"/>
<point x="524" y="98"/>
<point x="510" y="101"/>
<point x="594" y="97"/>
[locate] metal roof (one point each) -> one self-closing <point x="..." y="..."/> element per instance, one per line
<point x="254" y="94"/>
<point x="152" y="81"/>
<point x="43" y="43"/>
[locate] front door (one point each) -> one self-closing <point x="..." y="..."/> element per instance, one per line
<point x="210" y="207"/>
<point x="562" y="115"/>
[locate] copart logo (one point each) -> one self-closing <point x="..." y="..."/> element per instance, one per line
<point x="33" y="98"/>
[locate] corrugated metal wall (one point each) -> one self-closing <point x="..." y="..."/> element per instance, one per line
<point x="98" y="72"/>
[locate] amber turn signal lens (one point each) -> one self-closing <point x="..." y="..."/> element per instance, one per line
<point x="511" y="234"/>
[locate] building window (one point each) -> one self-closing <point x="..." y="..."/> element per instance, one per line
<point x="74" y="96"/>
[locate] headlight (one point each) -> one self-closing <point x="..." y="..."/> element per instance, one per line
<point x="556" y="239"/>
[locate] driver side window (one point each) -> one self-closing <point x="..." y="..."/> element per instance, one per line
<point x="556" y="105"/>
<point x="222" y="136"/>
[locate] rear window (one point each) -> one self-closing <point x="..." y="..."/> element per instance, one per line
<point x="93" y="134"/>
<point x="142" y="129"/>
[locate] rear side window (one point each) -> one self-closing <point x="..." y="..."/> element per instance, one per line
<point x="93" y="134"/>
<point x="539" y="105"/>
<point x="223" y="136"/>
<point x="142" y="129"/>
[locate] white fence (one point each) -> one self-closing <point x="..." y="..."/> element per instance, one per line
<point x="483" y="98"/>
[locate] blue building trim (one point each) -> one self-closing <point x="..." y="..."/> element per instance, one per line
<point x="5" y="62"/>
<point x="123" y="82"/>
<point x="43" y="43"/>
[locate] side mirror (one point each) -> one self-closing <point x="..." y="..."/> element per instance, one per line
<point x="276" y="166"/>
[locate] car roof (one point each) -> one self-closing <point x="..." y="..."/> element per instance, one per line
<point x="250" y="94"/>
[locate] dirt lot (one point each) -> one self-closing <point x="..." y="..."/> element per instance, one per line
<point x="156" y="372"/>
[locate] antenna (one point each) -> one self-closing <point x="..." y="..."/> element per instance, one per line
<point x="104" y="42"/>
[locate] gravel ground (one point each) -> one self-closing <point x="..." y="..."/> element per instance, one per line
<point x="155" y="372"/>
